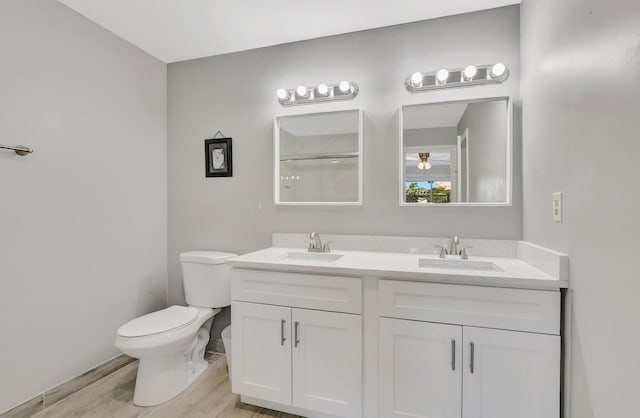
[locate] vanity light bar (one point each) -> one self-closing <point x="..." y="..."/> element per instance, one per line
<point x="471" y="75"/>
<point x="344" y="90"/>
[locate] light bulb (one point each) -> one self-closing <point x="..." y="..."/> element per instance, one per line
<point x="498" y="70"/>
<point x="282" y="94"/>
<point x="416" y="78"/>
<point x="427" y="166"/>
<point x="301" y="91"/>
<point x="323" y="89"/>
<point x="344" y="86"/>
<point x="470" y="71"/>
<point x="442" y="75"/>
<point x="420" y="165"/>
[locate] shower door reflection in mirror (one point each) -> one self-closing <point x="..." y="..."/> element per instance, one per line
<point x="456" y="153"/>
<point x="318" y="158"/>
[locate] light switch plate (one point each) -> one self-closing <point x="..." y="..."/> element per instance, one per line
<point x="557" y="207"/>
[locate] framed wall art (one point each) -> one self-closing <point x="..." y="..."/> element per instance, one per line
<point x="218" y="157"/>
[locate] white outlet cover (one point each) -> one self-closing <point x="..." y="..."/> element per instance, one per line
<point x="557" y="207"/>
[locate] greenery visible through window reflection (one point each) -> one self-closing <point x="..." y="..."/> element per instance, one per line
<point x="436" y="192"/>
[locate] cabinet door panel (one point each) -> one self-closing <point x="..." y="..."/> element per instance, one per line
<point x="419" y="369"/>
<point x="261" y="358"/>
<point x="327" y="362"/>
<point x="515" y="374"/>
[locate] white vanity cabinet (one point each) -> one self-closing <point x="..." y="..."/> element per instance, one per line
<point x="462" y="367"/>
<point x="513" y="374"/>
<point x="327" y="362"/>
<point x="262" y="351"/>
<point x="419" y="369"/>
<point x="290" y="355"/>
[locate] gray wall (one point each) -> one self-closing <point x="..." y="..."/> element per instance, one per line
<point x="235" y="94"/>
<point x="581" y="103"/>
<point x="487" y="148"/>
<point x="82" y="219"/>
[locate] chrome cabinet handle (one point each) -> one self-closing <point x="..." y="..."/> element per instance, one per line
<point x="453" y="355"/>
<point x="282" y="338"/>
<point x="473" y="357"/>
<point x="296" y="341"/>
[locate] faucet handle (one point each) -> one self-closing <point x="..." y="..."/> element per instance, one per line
<point x="442" y="248"/>
<point x="463" y="252"/>
<point x="326" y="248"/>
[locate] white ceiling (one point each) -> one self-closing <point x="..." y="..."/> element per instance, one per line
<point x="177" y="30"/>
<point x="445" y="115"/>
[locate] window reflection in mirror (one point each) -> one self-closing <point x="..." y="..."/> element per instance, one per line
<point x="456" y="152"/>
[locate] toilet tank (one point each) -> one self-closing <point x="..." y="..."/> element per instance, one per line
<point x="206" y="279"/>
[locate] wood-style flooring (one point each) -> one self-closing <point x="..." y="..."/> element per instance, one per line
<point x="111" y="396"/>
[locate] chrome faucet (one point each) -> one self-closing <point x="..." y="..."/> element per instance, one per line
<point x="316" y="246"/>
<point x="453" y="245"/>
<point x="453" y="250"/>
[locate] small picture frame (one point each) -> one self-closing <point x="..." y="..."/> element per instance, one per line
<point x="218" y="158"/>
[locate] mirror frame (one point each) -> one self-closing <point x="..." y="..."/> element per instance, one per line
<point x="276" y="159"/>
<point x="508" y="155"/>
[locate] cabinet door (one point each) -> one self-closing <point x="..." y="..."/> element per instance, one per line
<point x="261" y="351"/>
<point x="510" y="374"/>
<point x="327" y="362"/>
<point x="419" y="369"/>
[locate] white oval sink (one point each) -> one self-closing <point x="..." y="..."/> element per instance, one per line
<point x="295" y="255"/>
<point x="458" y="264"/>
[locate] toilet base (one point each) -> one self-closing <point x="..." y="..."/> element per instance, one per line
<point x="160" y="380"/>
<point x="164" y="377"/>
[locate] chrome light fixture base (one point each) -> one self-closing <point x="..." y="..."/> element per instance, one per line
<point x="484" y="74"/>
<point x="315" y="94"/>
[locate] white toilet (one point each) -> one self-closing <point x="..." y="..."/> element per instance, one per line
<point x="170" y="343"/>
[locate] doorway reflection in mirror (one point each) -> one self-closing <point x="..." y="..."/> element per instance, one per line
<point x="456" y="152"/>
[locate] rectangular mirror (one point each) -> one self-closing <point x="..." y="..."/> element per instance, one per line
<point x="318" y="158"/>
<point x="456" y="153"/>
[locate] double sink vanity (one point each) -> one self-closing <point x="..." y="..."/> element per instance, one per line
<point x="397" y="326"/>
<point x="386" y="327"/>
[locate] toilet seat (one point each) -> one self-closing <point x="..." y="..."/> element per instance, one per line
<point x="170" y="319"/>
<point x="206" y="257"/>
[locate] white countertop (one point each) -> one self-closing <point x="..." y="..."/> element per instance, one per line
<point x="404" y="266"/>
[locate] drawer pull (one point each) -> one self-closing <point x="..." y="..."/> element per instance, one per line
<point x="295" y="331"/>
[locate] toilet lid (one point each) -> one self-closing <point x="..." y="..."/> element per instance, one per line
<point x="171" y="318"/>
<point x="206" y="257"/>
